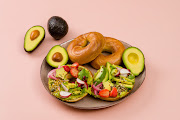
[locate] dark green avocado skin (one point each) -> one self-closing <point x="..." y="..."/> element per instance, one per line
<point x="57" y="27"/>
<point x="38" y="44"/>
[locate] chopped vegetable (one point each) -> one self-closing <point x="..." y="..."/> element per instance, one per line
<point x="75" y="65"/>
<point x="65" y="94"/>
<point x="104" y="93"/>
<point x="74" y="72"/>
<point x="66" y="68"/>
<point x="113" y="92"/>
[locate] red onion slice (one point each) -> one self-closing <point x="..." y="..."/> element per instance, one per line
<point x="99" y="85"/>
<point x="52" y="74"/>
<point x="59" y="67"/>
<point x="95" y="92"/>
<point x="96" y="88"/>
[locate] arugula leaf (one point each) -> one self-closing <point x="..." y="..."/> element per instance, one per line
<point x="82" y="73"/>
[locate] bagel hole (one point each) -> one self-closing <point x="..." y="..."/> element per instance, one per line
<point x="87" y="43"/>
<point x="106" y="53"/>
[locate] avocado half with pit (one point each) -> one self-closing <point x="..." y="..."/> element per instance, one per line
<point x="133" y="59"/>
<point x="34" y="36"/>
<point x="57" y="56"/>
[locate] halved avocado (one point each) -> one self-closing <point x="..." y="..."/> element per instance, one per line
<point x="34" y="36"/>
<point x="133" y="59"/>
<point x="57" y="56"/>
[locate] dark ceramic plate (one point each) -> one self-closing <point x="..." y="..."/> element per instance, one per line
<point x="89" y="102"/>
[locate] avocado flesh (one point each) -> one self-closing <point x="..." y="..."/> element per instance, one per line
<point x="53" y="50"/>
<point x="123" y="84"/>
<point x="30" y="45"/>
<point x="122" y="81"/>
<point x="133" y="59"/>
<point x="77" y="92"/>
<point x="106" y="76"/>
<point x="108" y="66"/>
<point x="100" y="75"/>
<point x="127" y="86"/>
<point x="124" y="93"/>
<point x="61" y="73"/>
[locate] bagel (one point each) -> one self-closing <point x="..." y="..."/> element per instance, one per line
<point x="112" y="82"/>
<point x="77" y="91"/>
<point x="80" y="51"/>
<point x="113" y="46"/>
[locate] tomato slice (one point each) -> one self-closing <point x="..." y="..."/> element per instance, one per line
<point x="113" y="92"/>
<point x="104" y="93"/>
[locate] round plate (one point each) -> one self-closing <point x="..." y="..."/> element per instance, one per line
<point x="89" y="102"/>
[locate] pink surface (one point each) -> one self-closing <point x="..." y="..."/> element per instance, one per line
<point x="153" y="26"/>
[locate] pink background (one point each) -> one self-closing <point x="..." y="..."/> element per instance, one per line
<point x="153" y="26"/>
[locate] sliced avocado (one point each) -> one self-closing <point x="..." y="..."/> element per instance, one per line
<point x="114" y="72"/>
<point x="61" y="73"/>
<point x="57" y="56"/>
<point x="133" y="59"/>
<point x="122" y="81"/>
<point x="127" y="79"/>
<point x="107" y="75"/>
<point x="108" y="66"/>
<point x="131" y="76"/>
<point x="57" y="27"/>
<point x="107" y="85"/>
<point x="122" y="94"/>
<point x="100" y="74"/>
<point x="127" y="86"/>
<point x="34" y="36"/>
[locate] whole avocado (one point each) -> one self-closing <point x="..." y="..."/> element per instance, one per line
<point x="57" y="27"/>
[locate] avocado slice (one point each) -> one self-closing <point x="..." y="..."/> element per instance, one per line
<point x="108" y="66"/>
<point x="61" y="73"/>
<point x="57" y="27"/>
<point x="101" y="73"/>
<point x="107" y="75"/>
<point x="122" y="81"/>
<point x="57" y="56"/>
<point x="34" y="36"/>
<point x="127" y="86"/>
<point x="133" y="59"/>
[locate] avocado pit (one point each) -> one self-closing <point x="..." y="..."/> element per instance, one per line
<point x="133" y="58"/>
<point x="34" y="34"/>
<point x="57" y="57"/>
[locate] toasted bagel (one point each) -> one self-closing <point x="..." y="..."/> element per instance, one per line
<point x="113" y="46"/>
<point x="80" y="51"/>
